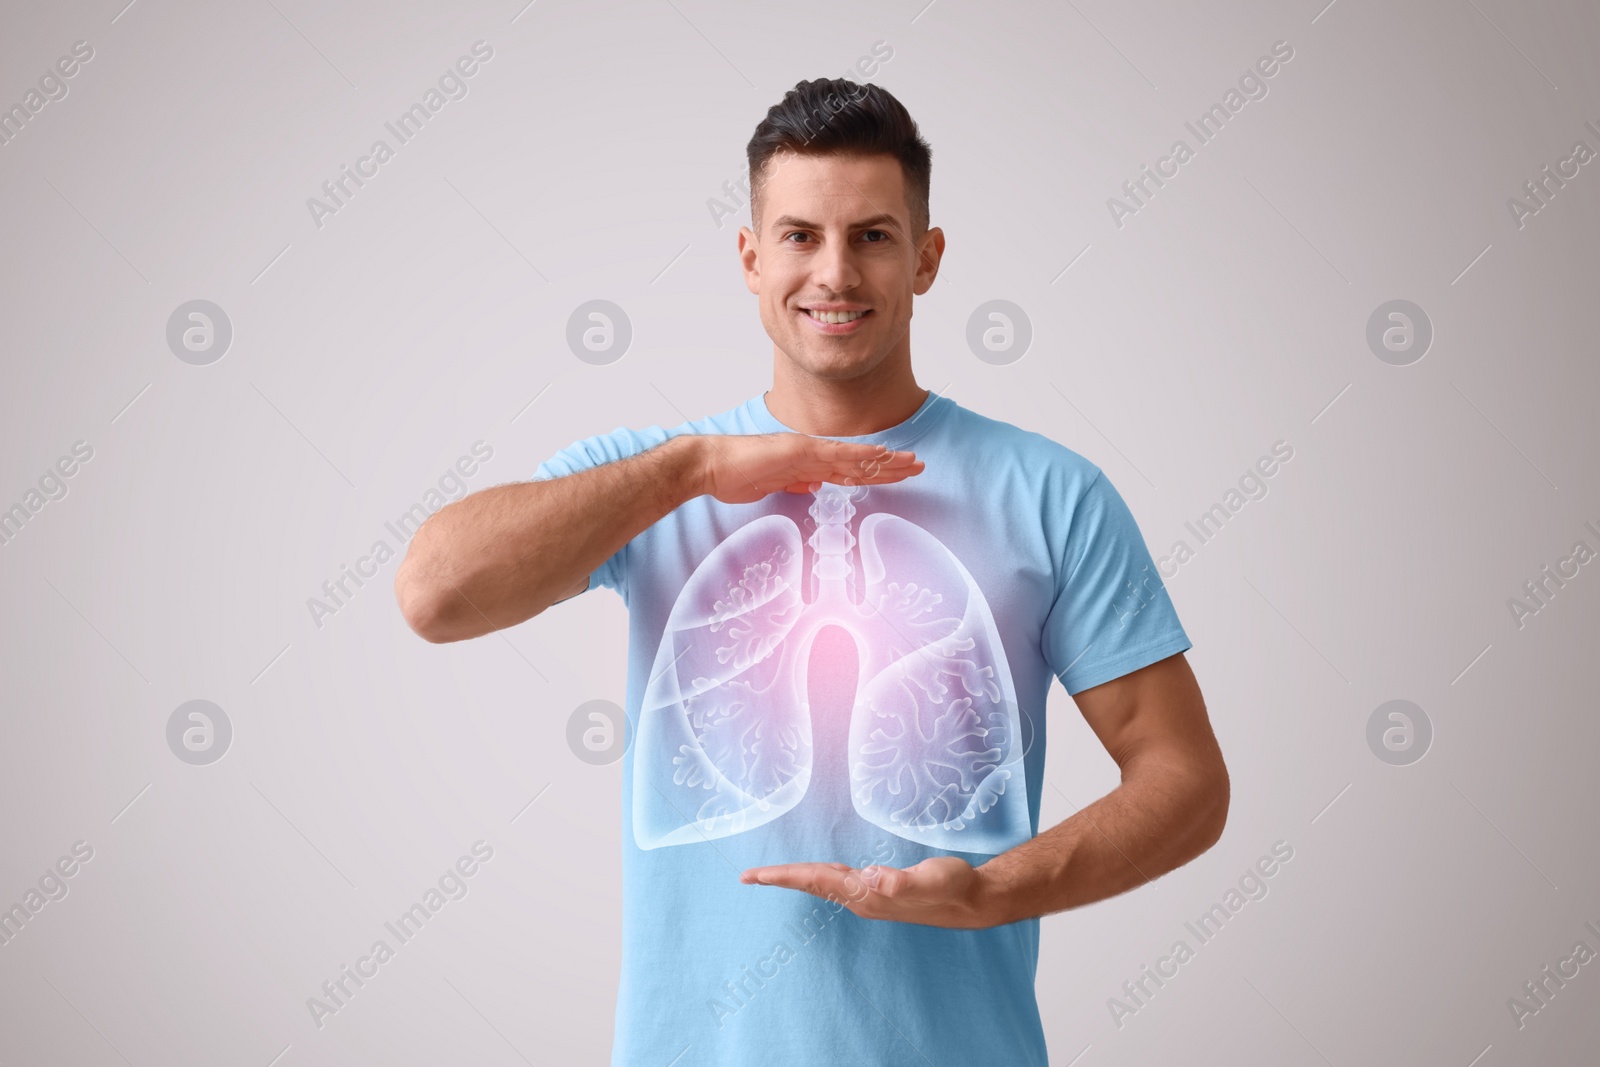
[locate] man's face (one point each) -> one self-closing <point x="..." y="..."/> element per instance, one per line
<point x="836" y="236"/>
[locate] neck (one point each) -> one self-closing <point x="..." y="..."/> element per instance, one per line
<point x="824" y="407"/>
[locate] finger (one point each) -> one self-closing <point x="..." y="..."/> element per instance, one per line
<point x="787" y="875"/>
<point x="849" y="473"/>
<point x="780" y="874"/>
<point x="888" y="881"/>
<point x="872" y="462"/>
<point x="836" y="882"/>
<point x="904" y="471"/>
<point x="887" y="461"/>
<point x="827" y="454"/>
<point x="884" y="475"/>
<point x="880" y="459"/>
<point x="845" y="453"/>
<point x="850" y="450"/>
<point x="872" y="477"/>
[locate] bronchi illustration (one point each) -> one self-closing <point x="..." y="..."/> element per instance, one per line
<point x="725" y="731"/>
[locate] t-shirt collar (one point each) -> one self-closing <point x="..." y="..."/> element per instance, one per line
<point x="896" y="437"/>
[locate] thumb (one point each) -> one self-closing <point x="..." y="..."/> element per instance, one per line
<point x="888" y="881"/>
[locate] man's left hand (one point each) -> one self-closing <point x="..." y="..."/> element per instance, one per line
<point x="941" y="891"/>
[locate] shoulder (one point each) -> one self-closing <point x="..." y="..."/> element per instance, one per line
<point x="997" y="442"/>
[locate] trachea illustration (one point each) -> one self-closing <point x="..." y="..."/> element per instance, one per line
<point x="725" y="731"/>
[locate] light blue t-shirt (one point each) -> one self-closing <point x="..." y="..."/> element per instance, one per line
<point x="855" y="676"/>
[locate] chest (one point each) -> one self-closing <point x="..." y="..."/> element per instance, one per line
<point x="726" y="617"/>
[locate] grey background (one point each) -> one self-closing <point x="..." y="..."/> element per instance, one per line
<point x="430" y="313"/>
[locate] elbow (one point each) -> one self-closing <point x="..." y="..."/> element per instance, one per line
<point x="424" y="604"/>
<point x="430" y="627"/>
<point x="1215" y="802"/>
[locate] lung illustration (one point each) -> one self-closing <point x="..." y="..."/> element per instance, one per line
<point x="724" y="734"/>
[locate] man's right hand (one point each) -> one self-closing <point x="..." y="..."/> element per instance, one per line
<point x="502" y="555"/>
<point x="743" y="468"/>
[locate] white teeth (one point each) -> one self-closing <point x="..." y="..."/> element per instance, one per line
<point x="835" y="316"/>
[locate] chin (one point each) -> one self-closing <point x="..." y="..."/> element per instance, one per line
<point x="838" y="370"/>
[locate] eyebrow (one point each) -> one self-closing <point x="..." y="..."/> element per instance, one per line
<point x="786" y="221"/>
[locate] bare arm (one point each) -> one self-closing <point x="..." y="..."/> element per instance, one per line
<point x="502" y="555"/>
<point x="1170" y="807"/>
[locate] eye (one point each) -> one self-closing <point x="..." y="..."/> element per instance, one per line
<point x="880" y="233"/>
<point x="795" y="233"/>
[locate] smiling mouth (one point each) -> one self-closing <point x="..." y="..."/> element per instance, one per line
<point x="834" y="318"/>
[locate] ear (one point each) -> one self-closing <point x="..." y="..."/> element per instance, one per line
<point x="750" y="260"/>
<point x="929" y="253"/>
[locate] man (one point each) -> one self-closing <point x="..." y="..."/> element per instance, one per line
<point x="847" y="597"/>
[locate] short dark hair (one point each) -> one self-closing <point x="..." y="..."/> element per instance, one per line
<point x="836" y="116"/>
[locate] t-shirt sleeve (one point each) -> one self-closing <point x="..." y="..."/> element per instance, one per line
<point x="1111" y="613"/>
<point x="594" y="452"/>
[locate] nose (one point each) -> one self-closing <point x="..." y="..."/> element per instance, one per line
<point x="833" y="267"/>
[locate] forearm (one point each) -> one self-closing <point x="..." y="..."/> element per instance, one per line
<point x="1160" y="817"/>
<point x="502" y="555"/>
